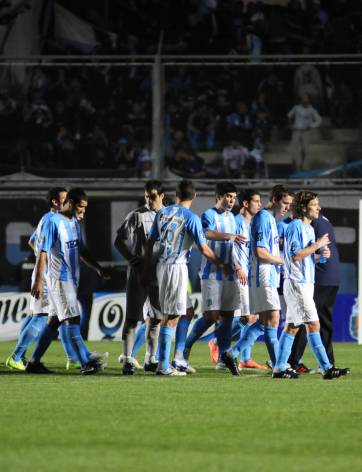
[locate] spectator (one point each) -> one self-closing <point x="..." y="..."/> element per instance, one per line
<point x="234" y="157"/>
<point x="307" y="80"/>
<point x="201" y="127"/>
<point x="240" y="121"/>
<point x="302" y="118"/>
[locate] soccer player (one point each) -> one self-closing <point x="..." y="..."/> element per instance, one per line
<point x="265" y="267"/>
<point x="250" y="205"/>
<point x="176" y="228"/>
<point x="130" y="242"/>
<point x="220" y="292"/>
<point x="39" y="307"/>
<point x="59" y="257"/>
<point x="300" y="249"/>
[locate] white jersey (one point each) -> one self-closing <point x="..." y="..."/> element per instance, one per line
<point x="242" y="250"/>
<point x="62" y="242"/>
<point x="264" y="233"/>
<point x="299" y="236"/>
<point x="37" y="239"/>
<point x="176" y="228"/>
<point x="222" y="222"/>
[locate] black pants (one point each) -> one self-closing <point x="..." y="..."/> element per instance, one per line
<point x="324" y="297"/>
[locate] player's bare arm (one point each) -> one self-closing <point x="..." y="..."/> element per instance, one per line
<point x="307" y="251"/>
<point x="41" y="263"/>
<point x="265" y="256"/>
<point x="218" y="236"/>
<point x="31" y="245"/>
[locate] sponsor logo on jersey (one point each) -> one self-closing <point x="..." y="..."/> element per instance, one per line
<point x="72" y="244"/>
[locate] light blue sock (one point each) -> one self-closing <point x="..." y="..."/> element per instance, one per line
<point x="198" y="329"/>
<point x="45" y="337"/>
<point x="236" y="327"/>
<point x="67" y="346"/>
<point x="236" y="349"/>
<point x="181" y="335"/>
<point x="164" y="342"/>
<point x="285" y="348"/>
<point x="140" y="339"/>
<point x="223" y="335"/>
<point x="272" y="343"/>
<point x="26" y="321"/>
<point x="319" y="351"/>
<point x="250" y="335"/>
<point x="28" y="335"/>
<point x="74" y="338"/>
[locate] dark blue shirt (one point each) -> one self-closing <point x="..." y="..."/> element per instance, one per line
<point x="328" y="273"/>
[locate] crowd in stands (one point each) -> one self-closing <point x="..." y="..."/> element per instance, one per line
<point x="224" y="26"/>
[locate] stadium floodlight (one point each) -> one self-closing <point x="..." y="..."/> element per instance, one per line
<point x="359" y="319"/>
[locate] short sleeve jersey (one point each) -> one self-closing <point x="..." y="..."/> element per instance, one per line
<point x="62" y="242"/>
<point x="223" y="222"/>
<point x="282" y="226"/>
<point x="242" y="250"/>
<point x="264" y="233"/>
<point x="176" y="228"/>
<point x="136" y="229"/>
<point x="299" y="236"/>
<point x="37" y="237"/>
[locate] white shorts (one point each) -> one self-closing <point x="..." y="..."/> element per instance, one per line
<point x="223" y="295"/>
<point x="63" y="298"/>
<point x="264" y="299"/>
<point x="150" y="311"/>
<point x="41" y="304"/>
<point x="300" y="304"/>
<point x="172" y="286"/>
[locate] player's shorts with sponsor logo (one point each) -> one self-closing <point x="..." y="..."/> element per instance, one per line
<point x="263" y="299"/>
<point x="221" y="295"/>
<point x="63" y="298"/>
<point x="300" y="304"/>
<point x="139" y="298"/>
<point x="172" y="284"/>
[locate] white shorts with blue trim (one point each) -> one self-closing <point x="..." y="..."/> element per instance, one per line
<point x="300" y="304"/>
<point x="172" y="287"/>
<point x="264" y="299"/>
<point x="220" y="295"/>
<point x="63" y="298"/>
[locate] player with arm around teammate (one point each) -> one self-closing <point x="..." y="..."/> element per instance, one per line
<point x="59" y="259"/>
<point x="39" y="307"/>
<point x="177" y="229"/>
<point x="300" y="249"/>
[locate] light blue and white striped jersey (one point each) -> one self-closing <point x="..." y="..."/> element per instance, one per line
<point x="223" y="222"/>
<point x="264" y="233"/>
<point x="299" y="236"/>
<point x="176" y="228"/>
<point x="242" y="250"/>
<point x="282" y="226"/>
<point x="37" y="239"/>
<point x="62" y="242"/>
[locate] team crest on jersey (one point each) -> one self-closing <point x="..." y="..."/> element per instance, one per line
<point x="293" y="246"/>
<point x="259" y="236"/>
<point x="209" y="302"/>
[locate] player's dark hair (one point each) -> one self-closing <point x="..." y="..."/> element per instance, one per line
<point x="247" y="195"/>
<point x="301" y="201"/>
<point x="154" y="185"/>
<point x="223" y="188"/>
<point x="53" y="194"/>
<point x="185" y="190"/>
<point x="77" y="194"/>
<point x="279" y="191"/>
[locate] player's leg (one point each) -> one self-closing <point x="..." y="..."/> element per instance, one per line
<point x="247" y="341"/>
<point x="136" y="297"/>
<point x="299" y="345"/>
<point x="45" y="338"/>
<point x="152" y="335"/>
<point x="172" y="282"/>
<point x="211" y="291"/>
<point x="324" y="297"/>
<point x="179" y="362"/>
<point x="140" y="339"/>
<point x="280" y="370"/>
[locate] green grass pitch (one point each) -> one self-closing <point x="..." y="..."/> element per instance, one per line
<point x="208" y="421"/>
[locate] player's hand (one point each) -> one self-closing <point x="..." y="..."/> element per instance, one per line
<point x="243" y="276"/>
<point x="325" y="252"/>
<point x="323" y="241"/>
<point x="279" y="261"/>
<point x="239" y="239"/>
<point x="37" y="289"/>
